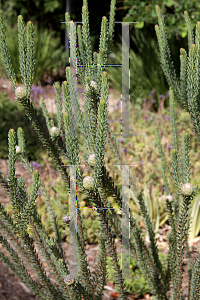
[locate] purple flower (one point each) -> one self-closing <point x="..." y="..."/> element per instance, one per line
<point x="141" y="162"/>
<point x="167" y="94"/>
<point x="120" y="139"/>
<point x="152" y="92"/>
<point x="167" y="118"/>
<point x="125" y="150"/>
<point x="152" y="100"/>
<point x="39" y="193"/>
<point x="148" y="118"/>
<point x="36" y="91"/>
<point x="163" y="188"/>
<point x="34" y="164"/>
<point x="145" y="100"/>
<point x="161" y="96"/>
<point x="118" y="103"/>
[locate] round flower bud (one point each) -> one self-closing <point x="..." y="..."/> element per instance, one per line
<point x="18" y="149"/>
<point x="88" y="183"/>
<point x="91" y="160"/>
<point x="20" y="92"/>
<point x="169" y="198"/>
<point x="66" y="219"/>
<point x="54" y="131"/>
<point x="93" y="84"/>
<point x="69" y="280"/>
<point x="187" y="189"/>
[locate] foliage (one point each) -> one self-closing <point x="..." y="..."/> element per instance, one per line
<point x="12" y="116"/>
<point x="49" y="55"/>
<point x="96" y="132"/>
<point x="146" y="75"/>
<point x="144" y="12"/>
<point x="136" y="284"/>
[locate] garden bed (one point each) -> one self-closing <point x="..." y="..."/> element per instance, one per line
<point x="10" y="287"/>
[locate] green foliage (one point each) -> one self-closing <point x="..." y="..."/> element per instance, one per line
<point x="146" y="74"/>
<point x="143" y="12"/>
<point x="96" y="132"/>
<point x="136" y="284"/>
<point x="12" y="116"/>
<point x="49" y="55"/>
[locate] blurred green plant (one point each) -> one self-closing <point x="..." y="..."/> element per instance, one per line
<point x="173" y="11"/>
<point x="12" y="116"/>
<point x="146" y="75"/>
<point x="136" y="284"/>
<point x="49" y="54"/>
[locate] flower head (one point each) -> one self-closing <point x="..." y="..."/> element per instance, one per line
<point x="187" y="189"/>
<point x="69" y="280"/>
<point x="88" y="183"/>
<point x="66" y="219"/>
<point x="169" y="198"/>
<point x="18" y="149"/>
<point x="54" y="131"/>
<point x="93" y="85"/>
<point x="20" y="92"/>
<point x="91" y="160"/>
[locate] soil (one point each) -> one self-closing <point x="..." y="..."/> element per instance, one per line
<point x="11" y="288"/>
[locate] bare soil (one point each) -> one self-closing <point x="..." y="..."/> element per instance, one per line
<point x="11" y="288"/>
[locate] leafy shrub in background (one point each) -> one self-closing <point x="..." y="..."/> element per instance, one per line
<point x="146" y="74"/>
<point x="173" y="11"/>
<point x="12" y="116"/>
<point x="49" y="54"/>
<point x="137" y="283"/>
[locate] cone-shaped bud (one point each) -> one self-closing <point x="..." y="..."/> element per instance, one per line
<point x="91" y="160"/>
<point x="54" y="131"/>
<point x="69" y="280"/>
<point x="88" y="183"/>
<point x="18" y="149"/>
<point x="66" y="219"/>
<point x="20" y="92"/>
<point x="187" y="189"/>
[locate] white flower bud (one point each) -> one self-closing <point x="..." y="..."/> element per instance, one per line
<point x="187" y="189"/>
<point x="20" y="92"/>
<point x="169" y="197"/>
<point x="18" y="149"/>
<point x="93" y="84"/>
<point x="91" y="160"/>
<point x="54" y="131"/>
<point x="66" y="219"/>
<point x="88" y="183"/>
<point x="69" y="280"/>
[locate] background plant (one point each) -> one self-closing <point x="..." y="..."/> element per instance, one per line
<point x="146" y="74"/>
<point x="12" y="116"/>
<point x="49" y="54"/>
<point x="149" y="263"/>
<point x="144" y="13"/>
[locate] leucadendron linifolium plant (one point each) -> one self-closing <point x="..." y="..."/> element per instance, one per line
<point x="61" y="140"/>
